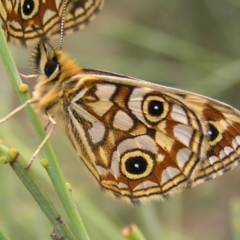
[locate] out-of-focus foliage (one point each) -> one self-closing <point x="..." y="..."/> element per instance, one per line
<point x="193" y="45"/>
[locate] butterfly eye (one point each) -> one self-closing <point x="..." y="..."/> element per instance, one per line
<point x="154" y="108"/>
<point x="137" y="164"/>
<point x="51" y="67"/>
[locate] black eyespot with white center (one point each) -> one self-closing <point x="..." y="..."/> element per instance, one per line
<point x="215" y="132"/>
<point x="50" y="67"/>
<point x="212" y="132"/>
<point x="154" y="108"/>
<point x="28" y="7"/>
<point x="137" y="164"/>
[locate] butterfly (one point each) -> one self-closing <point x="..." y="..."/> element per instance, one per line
<point x="139" y="140"/>
<point x="27" y="21"/>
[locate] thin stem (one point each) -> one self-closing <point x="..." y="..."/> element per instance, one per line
<point x="18" y="164"/>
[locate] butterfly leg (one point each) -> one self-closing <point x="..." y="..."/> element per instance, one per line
<point x="47" y="124"/>
<point x="51" y="120"/>
<point x="31" y="101"/>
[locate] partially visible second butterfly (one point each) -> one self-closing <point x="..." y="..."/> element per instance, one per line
<point x="27" y="21"/>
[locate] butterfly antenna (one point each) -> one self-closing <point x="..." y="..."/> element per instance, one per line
<point x="62" y="24"/>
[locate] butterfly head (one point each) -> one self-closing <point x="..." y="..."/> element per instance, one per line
<point x="52" y="64"/>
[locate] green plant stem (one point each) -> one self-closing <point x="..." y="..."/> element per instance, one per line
<point x="54" y="170"/>
<point x="18" y="164"/>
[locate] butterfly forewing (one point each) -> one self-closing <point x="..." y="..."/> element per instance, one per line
<point x="27" y="21"/>
<point x="140" y="140"/>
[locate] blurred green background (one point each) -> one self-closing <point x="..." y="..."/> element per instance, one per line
<point x="192" y="45"/>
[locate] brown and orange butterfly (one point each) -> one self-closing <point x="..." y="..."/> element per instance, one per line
<point x="138" y="139"/>
<point x="27" y="21"/>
